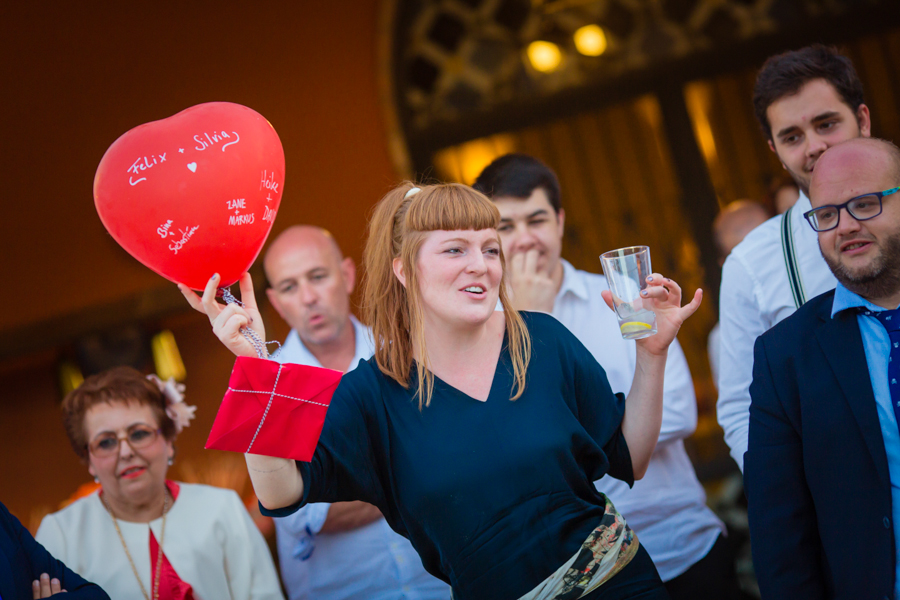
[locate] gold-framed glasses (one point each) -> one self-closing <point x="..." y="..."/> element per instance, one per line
<point x="138" y="436"/>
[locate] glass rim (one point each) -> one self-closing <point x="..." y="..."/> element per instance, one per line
<point x="623" y="252"/>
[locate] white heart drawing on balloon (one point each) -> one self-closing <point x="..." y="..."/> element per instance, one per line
<point x="193" y="167"/>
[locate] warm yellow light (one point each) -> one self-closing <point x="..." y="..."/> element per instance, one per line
<point x="465" y="162"/>
<point x="544" y="56"/>
<point x="698" y="98"/>
<point x="590" y="40"/>
<point x="166" y="357"/>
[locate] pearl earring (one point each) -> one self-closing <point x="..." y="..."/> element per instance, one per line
<point x="171" y="460"/>
<point x="96" y="480"/>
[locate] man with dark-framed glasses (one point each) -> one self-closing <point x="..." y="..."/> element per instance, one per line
<point x="822" y="470"/>
<point x="861" y="208"/>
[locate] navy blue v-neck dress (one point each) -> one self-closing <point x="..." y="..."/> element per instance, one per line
<point x="496" y="495"/>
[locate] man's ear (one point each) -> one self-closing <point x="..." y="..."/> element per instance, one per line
<point x="864" y="120"/>
<point x="273" y="300"/>
<point x="348" y="270"/>
<point x="397" y="264"/>
<point x="561" y="221"/>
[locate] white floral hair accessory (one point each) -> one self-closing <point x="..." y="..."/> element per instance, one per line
<point x="412" y="192"/>
<point x="180" y="413"/>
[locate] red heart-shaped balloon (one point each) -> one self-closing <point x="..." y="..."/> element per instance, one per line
<point x="194" y="194"/>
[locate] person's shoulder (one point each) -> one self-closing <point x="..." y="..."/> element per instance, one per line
<point x="362" y="383"/>
<point x="547" y="330"/>
<point x="760" y="239"/>
<point x="753" y="252"/>
<point x="537" y="321"/>
<point x="209" y="492"/>
<point x="7" y="519"/>
<point x="808" y="316"/>
<point x="77" y="509"/>
<point x="71" y="519"/>
<point x="365" y="372"/>
<point x="209" y="500"/>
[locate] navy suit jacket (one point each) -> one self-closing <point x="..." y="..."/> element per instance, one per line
<point x="816" y="471"/>
<point x="22" y="560"/>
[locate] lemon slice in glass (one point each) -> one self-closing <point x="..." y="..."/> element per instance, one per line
<point x="632" y="327"/>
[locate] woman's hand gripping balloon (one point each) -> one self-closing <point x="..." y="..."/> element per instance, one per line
<point x="228" y="319"/>
<point x="663" y="297"/>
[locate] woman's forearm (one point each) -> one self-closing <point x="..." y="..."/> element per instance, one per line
<point x="276" y="481"/>
<point x="643" y="409"/>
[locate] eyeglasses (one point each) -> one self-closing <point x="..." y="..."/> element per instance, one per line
<point x="138" y="436"/>
<point x="861" y="208"/>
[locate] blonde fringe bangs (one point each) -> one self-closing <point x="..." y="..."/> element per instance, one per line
<point x="397" y="229"/>
<point x="450" y="207"/>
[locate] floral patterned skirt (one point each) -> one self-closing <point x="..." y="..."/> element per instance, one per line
<point x="604" y="553"/>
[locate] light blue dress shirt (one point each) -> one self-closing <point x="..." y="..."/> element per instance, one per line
<point x="371" y="562"/>
<point x="877" y="344"/>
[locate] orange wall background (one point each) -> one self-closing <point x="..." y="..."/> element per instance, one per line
<point x="77" y="77"/>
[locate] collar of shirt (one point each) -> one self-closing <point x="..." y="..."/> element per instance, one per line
<point x="573" y="281"/>
<point x="295" y="351"/>
<point x="844" y="299"/>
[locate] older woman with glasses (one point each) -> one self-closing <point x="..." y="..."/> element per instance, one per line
<point x="141" y="535"/>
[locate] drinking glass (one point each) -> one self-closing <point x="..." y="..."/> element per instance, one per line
<point x="626" y="271"/>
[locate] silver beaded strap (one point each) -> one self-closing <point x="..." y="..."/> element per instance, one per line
<point x="258" y="344"/>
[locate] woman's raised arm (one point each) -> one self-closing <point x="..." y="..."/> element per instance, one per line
<point x="643" y="407"/>
<point x="276" y="481"/>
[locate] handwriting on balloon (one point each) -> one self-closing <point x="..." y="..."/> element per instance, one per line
<point x="207" y="140"/>
<point x="268" y="181"/>
<point x="163" y="230"/>
<point x="142" y="164"/>
<point x="269" y="214"/>
<point x="237" y="203"/>
<point x="242" y="219"/>
<point x="186" y="234"/>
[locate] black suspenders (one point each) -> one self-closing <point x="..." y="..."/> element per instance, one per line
<point x="790" y="259"/>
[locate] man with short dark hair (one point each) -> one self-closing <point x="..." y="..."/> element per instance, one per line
<point x="822" y="470"/>
<point x="345" y="550"/>
<point x="806" y="101"/>
<point x="667" y="507"/>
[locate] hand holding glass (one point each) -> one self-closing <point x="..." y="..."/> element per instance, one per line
<point x="626" y="271"/>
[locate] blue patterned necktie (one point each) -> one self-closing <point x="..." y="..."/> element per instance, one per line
<point x="891" y="321"/>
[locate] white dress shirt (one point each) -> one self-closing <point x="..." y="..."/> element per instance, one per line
<point x="755" y="296"/>
<point x="667" y="507"/>
<point x="371" y="562"/>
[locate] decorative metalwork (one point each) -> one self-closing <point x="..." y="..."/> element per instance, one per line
<point x="459" y="56"/>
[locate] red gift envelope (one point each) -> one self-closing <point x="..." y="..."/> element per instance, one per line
<point x="273" y="409"/>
